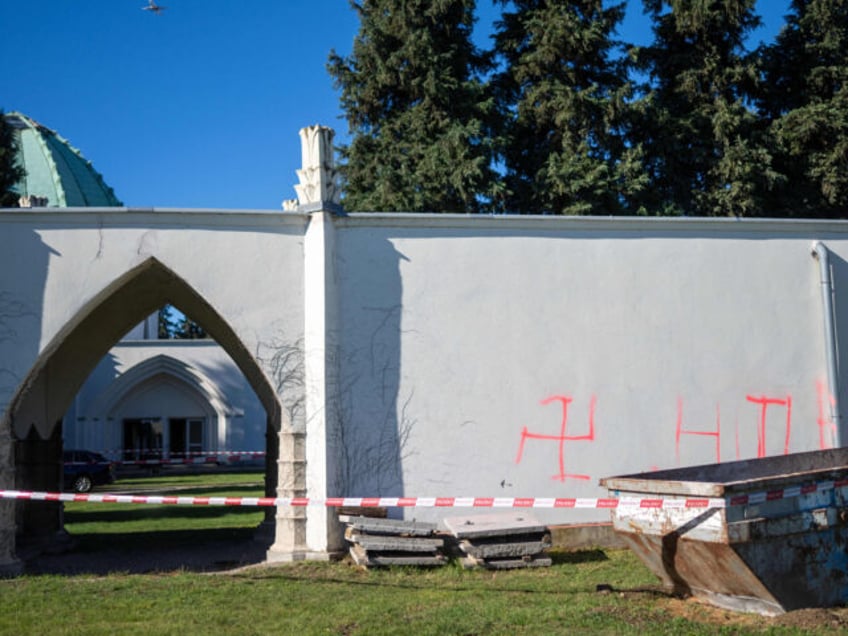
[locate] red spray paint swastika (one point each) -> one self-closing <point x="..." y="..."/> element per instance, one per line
<point x="764" y="403"/>
<point x="682" y="431"/>
<point x="562" y="437"/>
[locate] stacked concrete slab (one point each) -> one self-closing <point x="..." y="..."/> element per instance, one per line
<point x="501" y="541"/>
<point x="381" y="542"/>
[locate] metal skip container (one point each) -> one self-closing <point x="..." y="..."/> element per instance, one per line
<point x="762" y="535"/>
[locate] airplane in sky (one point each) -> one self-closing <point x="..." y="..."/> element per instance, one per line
<point x="155" y="8"/>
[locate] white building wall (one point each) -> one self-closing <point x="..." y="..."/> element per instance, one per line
<point x="630" y="345"/>
<point x="242" y="428"/>
<point x="475" y="356"/>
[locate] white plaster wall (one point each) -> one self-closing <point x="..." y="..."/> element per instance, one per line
<point x="247" y="265"/>
<point x="641" y="324"/>
<point x="452" y="334"/>
<point x="239" y="265"/>
<point x="22" y="280"/>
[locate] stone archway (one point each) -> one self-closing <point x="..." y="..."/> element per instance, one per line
<point x="64" y="364"/>
<point x="37" y="407"/>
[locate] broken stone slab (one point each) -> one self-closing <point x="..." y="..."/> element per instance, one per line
<point x="362" y="511"/>
<point x="491" y="550"/>
<point x="532" y="537"/>
<point x="393" y="542"/>
<point x="367" y="558"/>
<point x="390" y="526"/>
<point x="494" y="525"/>
<point x="507" y="564"/>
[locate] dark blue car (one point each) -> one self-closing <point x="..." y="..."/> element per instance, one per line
<point x="85" y="469"/>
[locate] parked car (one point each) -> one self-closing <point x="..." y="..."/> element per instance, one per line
<point x="85" y="469"/>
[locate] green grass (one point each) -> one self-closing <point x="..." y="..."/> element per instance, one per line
<point x="201" y="480"/>
<point x="84" y="519"/>
<point x="340" y="598"/>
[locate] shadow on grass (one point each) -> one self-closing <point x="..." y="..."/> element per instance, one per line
<point x="146" y="512"/>
<point x="559" y="557"/>
<point x="160" y="540"/>
<point x="235" y="490"/>
<point x="396" y="576"/>
<point x="402" y="578"/>
<point x="206" y="550"/>
<point x="286" y="573"/>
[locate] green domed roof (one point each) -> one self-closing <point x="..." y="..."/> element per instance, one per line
<point x="55" y="169"/>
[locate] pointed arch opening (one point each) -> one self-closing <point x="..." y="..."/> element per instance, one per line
<point x="66" y="362"/>
<point x="41" y="401"/>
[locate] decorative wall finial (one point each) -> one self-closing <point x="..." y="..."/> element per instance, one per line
<point x="318" y="175"/>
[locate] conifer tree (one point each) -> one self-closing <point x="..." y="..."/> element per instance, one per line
<point x="10" y="170"/>
<point x="705" y="152"/>
<point x="416" y="109"/>
<point x="175" y="325"/>
<point x="166" y="323"/>
<point x="562" y="96"/>
<point x="805" y="97"/>
<point x="188" y="329"/>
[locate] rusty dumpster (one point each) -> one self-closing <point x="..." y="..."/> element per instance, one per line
<point x="765" y="535"/>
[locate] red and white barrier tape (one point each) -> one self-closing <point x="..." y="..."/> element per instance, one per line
<point x="199" y="457"/>
<point x="439" y="502"/>
<point x="119" y="452"/>
<point x="368" y="502"/>
<point x="209" y="459"/>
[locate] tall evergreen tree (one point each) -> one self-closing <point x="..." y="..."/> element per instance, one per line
<point x="563" y="100"/>
<point x="10" y="170"/>
<point x="166" y="323"/>
<point x="805" y="97"/>
<point x="705" y="151"/>
<point x="188" y="329"/>
<point x="415" y="107"/>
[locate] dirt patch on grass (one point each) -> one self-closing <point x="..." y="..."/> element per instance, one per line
<point x="813" y="620"/>
<point x="697" y="611"/>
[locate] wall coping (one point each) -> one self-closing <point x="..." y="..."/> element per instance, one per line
<point x="190" y="217"/>
<point x="625" y="224"/>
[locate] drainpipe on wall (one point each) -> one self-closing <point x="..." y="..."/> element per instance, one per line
<point x="822" y="255"/>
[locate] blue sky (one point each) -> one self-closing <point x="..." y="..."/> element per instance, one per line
<point x="199" y="106"/>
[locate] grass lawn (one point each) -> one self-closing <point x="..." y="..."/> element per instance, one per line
<point x="340" y="598"/>
<point x="84" y="519"/>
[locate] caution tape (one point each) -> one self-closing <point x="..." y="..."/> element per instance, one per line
<point x="366" y="502"/>
<point x="161" y="453"/>
<point x="440" y="502"/>
<point x="27" y="495"/>
<point x="208" y="459"/>
<point x="181" y="458"/>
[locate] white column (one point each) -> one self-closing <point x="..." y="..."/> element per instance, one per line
<point x="304" y="468"/>
<point x="319" y="347"/>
